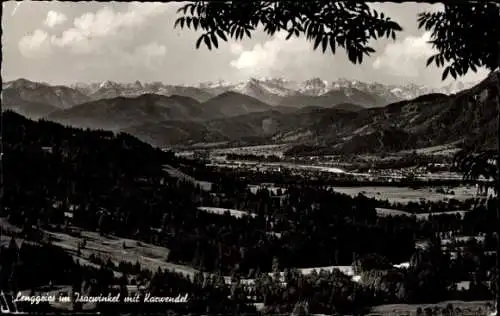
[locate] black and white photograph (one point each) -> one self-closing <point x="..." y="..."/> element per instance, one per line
<point x="253" y="158"/>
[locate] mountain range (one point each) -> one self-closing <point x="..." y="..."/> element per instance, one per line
<point x="22" y="93"/>
<point x="429" y="120"/>
<point x="339" y="116"/>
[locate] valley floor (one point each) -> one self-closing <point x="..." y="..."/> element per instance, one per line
<point x="466" y="308"/>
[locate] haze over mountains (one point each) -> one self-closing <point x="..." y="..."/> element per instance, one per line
<point x="345" y="116"/>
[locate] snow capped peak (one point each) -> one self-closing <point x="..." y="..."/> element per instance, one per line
<point x="314" y="86"/>
<point x="78" y="85"/>
<point x="137" y="84"/>
<point x="255" y="87"/>
<point x="215" y="84"/>
<point x="316" y="82"/>
<point x="456" y="86"/>
<point x="248" y="87"/>
<point x="107" y="84"/>
<point x="267" y="89"/>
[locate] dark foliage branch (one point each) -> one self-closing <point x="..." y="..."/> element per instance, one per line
<point x="349" y="25"/>
<point x="465" y="34"/>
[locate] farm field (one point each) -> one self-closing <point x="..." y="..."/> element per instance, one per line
<point x="148" y="255"/>
<point x="222" y="211"/>
<point x="393" y="194"/>
<point x="260" y="150"/>
<point x="380" y="211"/>
<point x="441" y="150"/>
<point x="392" y="212"/>
<point x="263" y="166"/>
<point x="405" y="195"/>
<point x="176" y="173"/>
<point x="467" y="308"/>
<point x="274" y="189"/>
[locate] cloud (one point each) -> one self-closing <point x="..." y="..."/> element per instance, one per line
<point x="97" y="32"/>
<point x="152" y="50"/>
<point x="35" y="45"/>
<point x="54" y="18"/>
<point x="405" y="58"/>
<point x="273" y="55"/>
<point x="236" y="48"/>
<point x="149" y="55"/>
<point x="93" y="30"/>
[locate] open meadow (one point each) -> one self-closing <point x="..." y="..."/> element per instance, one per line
<point x="404" y="195"/>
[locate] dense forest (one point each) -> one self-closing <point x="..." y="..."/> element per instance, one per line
<point x="115" y="185"/>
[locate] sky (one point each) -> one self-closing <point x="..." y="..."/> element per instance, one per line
<point x="65" y="42"/>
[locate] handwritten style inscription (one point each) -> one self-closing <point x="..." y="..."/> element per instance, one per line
<point x="35" y="299"/>
<point x="165" y="299"/>
<point x="79" y="298"/>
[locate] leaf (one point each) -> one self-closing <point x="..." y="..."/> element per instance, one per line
<point x="388" y="33"/>
<point x="196" y="22"/>
<point x="178" y="21"/>
<point x="340" y="40"/>
<point x="317" y="42"/>
<point x="324" y="44"/>
<point x="421" y="21"/>
<point x="221" y="34"/>
<point x="442" y="60"/>
<point x="247" y="32"/>
<point x="369" y="50"/>
<point x="393" y="35"/>
<point x="453" y="73"/>
<point x="290" y="33"/>
<point x="360" y="57"/>
<point x="203" y="23"/>
<point x="231" y="29"/>
<point x="445" y="73"/>
<point x="207" y="42"/>
<point x="438" y="60"/>
<point x="332" y="44"/>
<point x="473" y="67"/>
<point x="308" y="27"/>
<point x="351" y="54"/>
<point x="214" y="40"/>
<point x="372" y="33"/>
<point x="429" y="61"/>
<point x="198" y="41"/>
<point x="396" y="27"/>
